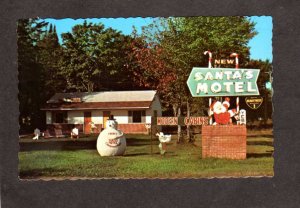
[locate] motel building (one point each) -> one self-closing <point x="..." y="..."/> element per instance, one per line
<point x="131" y="109"/>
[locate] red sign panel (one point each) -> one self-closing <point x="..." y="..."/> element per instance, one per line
<point x="196" y="120"/>
<point x="167" y="121"/>
<point x="174" y="121"/>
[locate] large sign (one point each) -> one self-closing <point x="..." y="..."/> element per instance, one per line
<point x="212" y="82"/>
<point x="254" y="102"/>
<point x="174" y="121"/>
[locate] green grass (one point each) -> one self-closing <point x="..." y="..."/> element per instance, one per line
<point x="180" y="161"/>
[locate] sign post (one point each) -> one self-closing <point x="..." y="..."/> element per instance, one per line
<point x="209" y="101"/>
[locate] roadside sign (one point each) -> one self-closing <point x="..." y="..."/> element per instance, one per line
<point x="254" y="102"/>
<point x="212" y="82"/>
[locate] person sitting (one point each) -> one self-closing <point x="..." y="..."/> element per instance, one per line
<point x="36" y="133"/>
<point x="93" y="127"/>
<point x="75" y="133"/>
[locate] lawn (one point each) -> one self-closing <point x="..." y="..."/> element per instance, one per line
<point x="80" y="159"/>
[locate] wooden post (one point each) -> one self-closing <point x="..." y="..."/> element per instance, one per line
<point x="151" y="134"/>
<point x="237" y="104"/>
<point x="236" y="67"/>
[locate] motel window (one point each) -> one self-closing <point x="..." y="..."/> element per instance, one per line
<point x="136" y="116"/>
<point x="60" y="117"/>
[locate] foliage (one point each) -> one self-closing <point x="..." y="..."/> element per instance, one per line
<point x="265" y="73"/>
<point x="94" y="58"/>
<point x="150" y="69"/>
<point x="30" y="32"/>
<point x="176" y="45"/>
<point x="90" y="58"/>
<point x="265" y="76"/>
<point x="50" y="55"/>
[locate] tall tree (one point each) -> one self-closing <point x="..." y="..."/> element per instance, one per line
<point x="50" y="58"/>
<point x="94" y="58"/>
<point x="265" y="78"/>
<point x="29" y="33"/>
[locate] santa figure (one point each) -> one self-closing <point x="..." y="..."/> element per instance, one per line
<point x="221" y="113"/>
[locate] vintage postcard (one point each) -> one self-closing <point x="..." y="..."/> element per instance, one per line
<point x="177" y="97"/>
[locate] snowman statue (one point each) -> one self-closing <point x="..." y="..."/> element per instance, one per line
<point x="111" y="141"/>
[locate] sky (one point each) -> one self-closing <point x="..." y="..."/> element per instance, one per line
<point x="260" y="45"/>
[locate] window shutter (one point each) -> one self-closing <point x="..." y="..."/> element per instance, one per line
<point x="129" y="116"/>
<point x="143" y="113"/>
<point x="54" y="117"/>
<point x="65" y="117"/>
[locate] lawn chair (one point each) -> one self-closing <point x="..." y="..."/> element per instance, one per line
<point x="58" y="133"/>
<point x="47" y="134"/>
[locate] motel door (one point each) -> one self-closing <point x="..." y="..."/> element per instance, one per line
<point x="87" y="122"/>
<point x="106" y="115"/>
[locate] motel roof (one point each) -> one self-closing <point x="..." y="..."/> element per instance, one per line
<point x="101" y="100"/>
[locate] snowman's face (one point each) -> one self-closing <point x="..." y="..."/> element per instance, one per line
<point x="111" y="124"/>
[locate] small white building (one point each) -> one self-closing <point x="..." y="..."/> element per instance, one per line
<point x="132" y="110"/>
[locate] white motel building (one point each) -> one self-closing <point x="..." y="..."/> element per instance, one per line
<point x="131" y="109"/>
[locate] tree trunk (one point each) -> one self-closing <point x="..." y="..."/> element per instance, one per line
<point x="188" y="133"/>
<point x="90" y="86"/>
<point x="266" y="108"/>
<point x="179" y="136"/>
<point x="175" y="110"/>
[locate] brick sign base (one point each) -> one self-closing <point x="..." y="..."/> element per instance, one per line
<point x="224" y="141"/>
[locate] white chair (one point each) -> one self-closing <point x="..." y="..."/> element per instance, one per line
<point x="37" y="133"/>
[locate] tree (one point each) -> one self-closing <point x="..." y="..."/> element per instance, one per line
<point x="29" y="33"/>
<point x="94" y="58"/>
<point x="50" y="58"/>
<point x="152" y="72"/>
<point x="183" y="41"/>
<point x="265" y="77"/>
